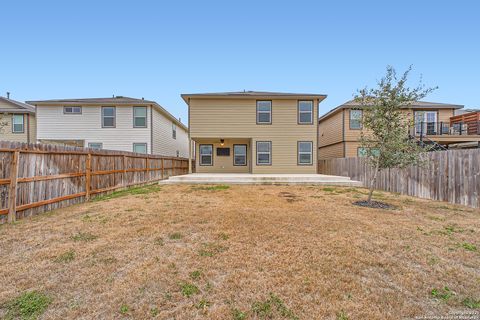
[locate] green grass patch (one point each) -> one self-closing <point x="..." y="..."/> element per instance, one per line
<point x="443" y="294"/>
<point x="195" y="275"/>
<point x="189" y="289"/>
<point x="212" y="188"/>
<point x="471" y="303"/>
<point x="265" y="309"/>
<point x="238" y="315"/>
<point x="29" y="305"/>
<point x="342" y="315"/>
<point x="175" y="236"/>
<point x="329" y="189"/>
<point x="129" y="191"/>
<point x="66" y="257"/>
<point x="211" y="249"/>
<point x="469" y="246"/>
<point x="203" y="304"/>
<point x="124" y="309"/>
<point x="84" y="236"/>
<point x="154" y="312"/>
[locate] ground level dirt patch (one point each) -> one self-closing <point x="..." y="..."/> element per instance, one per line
<point x="245" y="252"/>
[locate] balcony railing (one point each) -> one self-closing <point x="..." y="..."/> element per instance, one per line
<point x="446" y="128"/>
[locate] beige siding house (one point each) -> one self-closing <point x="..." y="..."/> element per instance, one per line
<point x="17" y="121"/>
<point x="254" y="132"/>
<point x="117" y="123"/>
<point x="340" y="129"/>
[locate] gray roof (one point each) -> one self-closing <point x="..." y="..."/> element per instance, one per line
<point x="20" y="106"/>
<point x="112" y="100"/>
<point x="415" y="105"/>
<point x="250" y="94"/>
<point x="115" y="101"/>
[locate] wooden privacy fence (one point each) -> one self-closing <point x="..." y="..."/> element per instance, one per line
<point x="452" y="176"/>
<point x="35" y="178"/>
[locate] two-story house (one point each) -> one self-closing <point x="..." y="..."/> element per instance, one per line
<point x="254" y="132"/>
<point x="117" y="123"/>
<point x="17" y="121"/>
<point x="340" y="128"/>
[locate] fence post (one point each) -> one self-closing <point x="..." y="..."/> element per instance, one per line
<point x="12" y="193"/>
<point x="124" y="173"/>
<point x="88" y="176"/>
<point x="162" y="168"/>
<point x="147" y="169"/>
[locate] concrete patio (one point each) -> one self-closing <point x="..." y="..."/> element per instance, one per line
<point x="248" y="178"/>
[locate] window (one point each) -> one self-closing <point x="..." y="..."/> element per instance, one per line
<point x="305" y="152"/>
<point x="264" y="153"/>
<point x="206" y="154"/>
<point x="178" y="153"/>
<point x="305" y="112"/>
<point x="223" y="152"/>
<point x="264" y="112"/>
<point x="108" y="117"/>
<point x="174" y="131"/>
<point x="239" y="154"/>
<point x="18" y="123"/>
<point x="140" y="147"/>
<point x="356" y="119"/>
<point x="95" y="145"/>
<point x="72" y="110"/>
<point x="139" y="117"/>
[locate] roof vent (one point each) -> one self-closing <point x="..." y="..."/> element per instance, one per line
<point x="143" y="98"/>
<point x="8" y="95"/>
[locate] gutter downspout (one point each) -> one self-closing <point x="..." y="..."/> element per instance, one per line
<point x="189" y="140"/>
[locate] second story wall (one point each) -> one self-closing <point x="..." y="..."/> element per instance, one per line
<point x="236" y="118"/>
<point x="53" y="124"/>
<point x="330" y="130"/>
<point x="163" y="141"/>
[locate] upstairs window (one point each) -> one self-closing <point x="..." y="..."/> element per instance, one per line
<point x="264" y="112"/>
<point x="174" y="131"/>
<point x="108" y="117"/>
<point x="72" y="110"/>
<point x="305" y="152"/>
<point x="139" y="117"/>
<point x="356" y="119"/>
<point x="206" y="154"/>
<point x="305" y="112"/>
<point x="18" y="123"/>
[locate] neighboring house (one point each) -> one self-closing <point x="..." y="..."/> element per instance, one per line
<point x="17" y="121"/>
<point x="254" y="132"/>
<point x="117" y="123"/>
<point x="340" y="129"/>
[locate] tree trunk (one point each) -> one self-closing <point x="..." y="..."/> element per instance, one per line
<point x="372" y="182"/>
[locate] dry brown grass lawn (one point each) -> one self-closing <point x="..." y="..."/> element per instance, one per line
<point x="246" y="252"/>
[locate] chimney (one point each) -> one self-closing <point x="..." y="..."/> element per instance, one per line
<point x="143" y="98"/>
<point x="8" y="95"/>
<point x="179" y="119"/>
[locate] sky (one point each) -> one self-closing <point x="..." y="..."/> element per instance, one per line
<point x="160" y="49"/>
